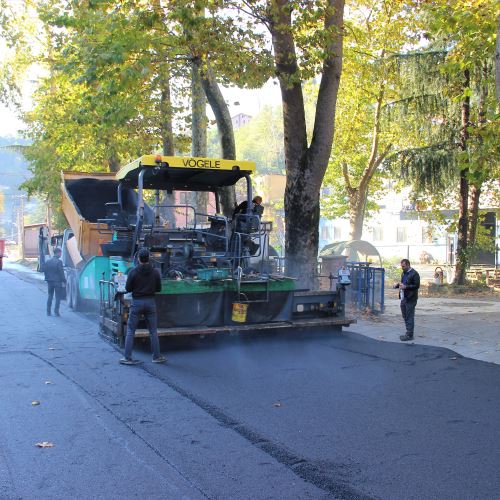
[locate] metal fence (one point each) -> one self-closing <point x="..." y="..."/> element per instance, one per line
<point x="366" y="290"/>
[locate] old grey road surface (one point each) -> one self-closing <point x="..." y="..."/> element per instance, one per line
<point x="301" y="416"/>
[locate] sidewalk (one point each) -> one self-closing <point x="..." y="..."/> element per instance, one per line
<point x="470" y="326"/>
<point x="15" y="268"/>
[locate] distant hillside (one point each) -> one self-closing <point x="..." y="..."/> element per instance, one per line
<point x="13" y="172"/>
<point x="13" y="166"/>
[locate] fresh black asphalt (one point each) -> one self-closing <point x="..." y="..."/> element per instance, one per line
<point x="298" y="415"/>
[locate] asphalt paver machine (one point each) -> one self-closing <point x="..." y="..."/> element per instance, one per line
<point x="217" y="273"/>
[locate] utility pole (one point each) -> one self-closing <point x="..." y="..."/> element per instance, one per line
<point x="49" y="218"/>
<point x="20" y="225"/>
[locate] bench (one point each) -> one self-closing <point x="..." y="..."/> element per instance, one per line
<point x="475" y="275"/>
<point x="493" y="278"/>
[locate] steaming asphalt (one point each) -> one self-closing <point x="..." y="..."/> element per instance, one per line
<point x="303" y="415"/>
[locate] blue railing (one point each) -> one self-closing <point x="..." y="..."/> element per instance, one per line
<point x="366" y="291"/>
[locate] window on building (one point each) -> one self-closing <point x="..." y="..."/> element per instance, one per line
<point x="325" y="233"/>
<point x="378" y="233"/>
<point x="401" y="236"/>
<point x="337" y="233"/>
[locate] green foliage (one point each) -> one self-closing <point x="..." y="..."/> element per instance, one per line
<point x="370" y="81"/>
<point x="484" y="241"/>
<point x="392" y="266"/>
<point x="261" y="141"/>
<point x="460" y="37"/>
<point x="223" y="39"/>
<point x="107" y="66"/>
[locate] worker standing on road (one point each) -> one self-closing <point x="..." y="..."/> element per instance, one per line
<point x="408" y="293"/>
<point x="54" y="276"/>
<point x="143" y="281"/>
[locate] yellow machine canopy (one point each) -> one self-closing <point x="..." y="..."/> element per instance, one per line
<point x="183" y="173"/>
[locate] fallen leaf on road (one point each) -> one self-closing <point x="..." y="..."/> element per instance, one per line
<point x="381" y="337"/>
<point x="454" y="357"/>
<point x="35" y="403"/>
<point x="52" y="348"/>
<point x="44" y="444"/>
<point x="277" y="404"/>
<point x="48" y="382"/>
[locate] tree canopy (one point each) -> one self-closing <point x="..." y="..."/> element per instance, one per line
<point x="114" y="79"/>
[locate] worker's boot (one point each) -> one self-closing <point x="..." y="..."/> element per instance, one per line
<point x="405" y="338"/>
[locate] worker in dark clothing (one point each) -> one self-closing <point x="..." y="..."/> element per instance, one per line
<point x="256" y="207"/>
<point x="54" y="276"/>
<point x="408" y="293"/>
<point x="250" y="224"/>
<point x="143" y="281"/>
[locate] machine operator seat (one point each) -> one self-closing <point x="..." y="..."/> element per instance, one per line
<point x="116" y="216"/>
<point x="216" y="234"/>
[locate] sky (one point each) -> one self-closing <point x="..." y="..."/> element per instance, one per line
<point x="252" y="101"/>
<point x="9" y="124"/>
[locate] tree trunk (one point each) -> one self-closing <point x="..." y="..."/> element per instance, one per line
<point x="358" y="196"/>
<point x="167" y="135"/>
<point x="49" y="217"/>
<point x="112" y="160"/>
<point x="225" y="128"/>
<point x="357" y="206"/>
<point x="198" y="114"/>
<point x="198" y="130"/>
<point x="475" y="191"/>
<point x="113" y="164"/>
<point x="463" y="213"/>
<point x="167" y="139"/>
<point x="305" y="166"/>
<point x="497" y="61"/>
<point x="475" y="195"/>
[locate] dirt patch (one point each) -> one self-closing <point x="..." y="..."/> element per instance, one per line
<point x="473" y="290"/>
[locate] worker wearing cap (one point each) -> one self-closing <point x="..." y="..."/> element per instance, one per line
<point x="143" y="281"/>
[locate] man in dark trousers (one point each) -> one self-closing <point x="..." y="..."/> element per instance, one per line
<point x="54" y="276"/>
<point x="408" y="293"/>
<point x="143" y="281"/>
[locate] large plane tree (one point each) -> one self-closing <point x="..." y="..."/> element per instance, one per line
<point x="307" y="41"/>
